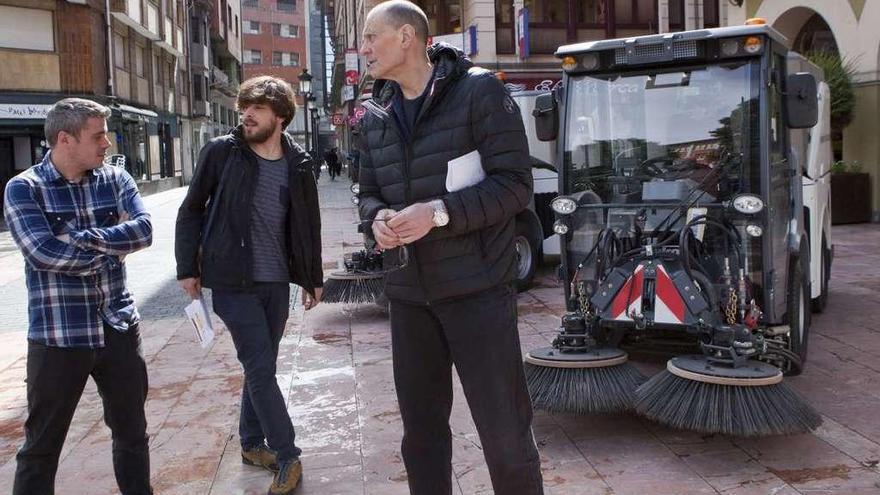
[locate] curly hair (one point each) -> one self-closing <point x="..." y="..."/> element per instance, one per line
<point x="268" y="90"/>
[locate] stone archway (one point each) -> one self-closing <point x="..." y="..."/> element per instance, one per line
<point x="807" y="30"/>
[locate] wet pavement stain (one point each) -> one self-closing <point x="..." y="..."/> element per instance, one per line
<point x="799" y="476"/>
<point x="330" y="338"/>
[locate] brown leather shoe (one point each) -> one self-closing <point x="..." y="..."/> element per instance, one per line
<point x="286" y="478"/>
<point x="259" y="456"/>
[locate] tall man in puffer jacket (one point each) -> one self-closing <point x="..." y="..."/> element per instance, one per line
<point x="444" y="170"/>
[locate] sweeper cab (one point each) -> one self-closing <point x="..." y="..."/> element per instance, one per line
<point x="694" y="207"/>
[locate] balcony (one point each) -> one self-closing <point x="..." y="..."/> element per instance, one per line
<point x="224" y="81"/>
<point x="172" y="42"/>
<point x="199" y="56"/>
<point x="129" y="12"/>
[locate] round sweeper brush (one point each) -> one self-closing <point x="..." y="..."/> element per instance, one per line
<point x="353" y="287"/>
<point x="694" y="394"/>
<point x="595" y="381"/>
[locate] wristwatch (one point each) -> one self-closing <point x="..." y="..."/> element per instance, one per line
<point x="441" y="216"/>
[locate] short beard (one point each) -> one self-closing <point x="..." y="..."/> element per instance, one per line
<point x="258" y="137"/>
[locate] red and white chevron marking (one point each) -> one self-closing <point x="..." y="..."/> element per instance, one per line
<point x="668" y="304"/>
<point x="629" y="299"/>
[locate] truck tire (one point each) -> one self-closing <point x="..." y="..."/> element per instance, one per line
<point x="527" y="257"/>
<point x="820" y="302"/>
<point x="798" y="313"/>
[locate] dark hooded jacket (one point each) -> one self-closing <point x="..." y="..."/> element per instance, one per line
<point x="465" y="109"/>
<point x="212" y="238"/>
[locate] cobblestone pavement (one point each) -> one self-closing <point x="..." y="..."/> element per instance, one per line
<point x="335" y="368"/>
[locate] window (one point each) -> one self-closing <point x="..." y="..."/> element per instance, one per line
<point x="285" y="59"/>
<point x="253" y="57"/>
<point x="711" y="18"/>
<point x="251" y="27"/>
<point x="250" y="3"/>
<point x="236" y="26"/>
<point x="676" y="15"/>
<point x="120" y="51"/>
<point x="198" y="87"/>
<point x="591" y="13"/>
<point x="26" y="29"/>
<point x="636" y="13"/>
<point x="285" y="30"/>
<point x="139" y="56"/>
<point x="547" y="11"/>
<point x="286" y="5"/>
<point x="169" y="74"/>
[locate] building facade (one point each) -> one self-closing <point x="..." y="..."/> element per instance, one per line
<point x="487" y="30"/>
<point x="215" y="28"/>
<point x="848" y="27"/>
<point x="274" y="43"/>
<point x="132" y="58"/>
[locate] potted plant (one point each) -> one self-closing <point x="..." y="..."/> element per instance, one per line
<point x="850" y="193"/>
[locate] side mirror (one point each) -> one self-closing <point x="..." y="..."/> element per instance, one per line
<point x="546" y="115"/>
<point x="801" y="101"/>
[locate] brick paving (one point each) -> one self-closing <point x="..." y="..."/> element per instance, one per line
<point x="335" y="369"/>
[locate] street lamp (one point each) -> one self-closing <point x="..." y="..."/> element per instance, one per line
<point x="305" y="90"/>
<point x="315" y="141"/>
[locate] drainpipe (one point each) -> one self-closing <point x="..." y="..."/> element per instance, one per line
<point x="110" y="64"/>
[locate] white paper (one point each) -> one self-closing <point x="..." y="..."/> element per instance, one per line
<point x="197" y="312"/>
<point x="464" y="171"/>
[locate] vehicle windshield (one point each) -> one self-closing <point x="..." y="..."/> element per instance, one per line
<point x="663" y="135"/>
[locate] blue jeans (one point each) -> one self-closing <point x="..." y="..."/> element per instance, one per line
<point x="256" y="318"/>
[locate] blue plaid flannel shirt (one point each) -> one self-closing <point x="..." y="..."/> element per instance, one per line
<point x="72" y="241"/>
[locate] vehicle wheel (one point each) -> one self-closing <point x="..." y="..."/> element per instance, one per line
<point x="798" y="314"/>
<point x="820" y="302"/>
<point x="526" y="257"/>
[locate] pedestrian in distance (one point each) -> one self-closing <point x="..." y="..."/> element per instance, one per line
<point x="248" y="228"/>
<point x="334" y="168"/>
<point x="75" y="220"/>
<point x="453" y="302"/>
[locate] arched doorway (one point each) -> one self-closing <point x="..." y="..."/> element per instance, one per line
<point x="812" y="36"/>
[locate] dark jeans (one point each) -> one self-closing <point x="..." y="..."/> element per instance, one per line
<point x="56" y="378"/>
<point x="478" y="335"/>
<point x="256" y="318"/>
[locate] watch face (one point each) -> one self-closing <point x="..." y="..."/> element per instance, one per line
<point x="440" y="218"/>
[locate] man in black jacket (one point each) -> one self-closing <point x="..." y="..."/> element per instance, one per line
<point x="444" y="170"/>
<point x="250" y="226"/>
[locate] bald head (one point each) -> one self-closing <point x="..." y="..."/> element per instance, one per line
<point x="397" y="13"/>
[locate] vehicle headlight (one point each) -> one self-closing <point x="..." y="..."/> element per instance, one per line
<point x="563" y="205"/>
<point x="560" y="227"/>
<point x="748" y="204"/>
<point x="729" y="47"/>
<point x="355" y="188"/>
<point x="754" y="230"/>
<point x="355" y="200"/>
<point x="590" y="61"/>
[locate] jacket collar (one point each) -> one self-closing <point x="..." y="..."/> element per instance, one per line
<point x="52" y="175"/>
<point x="450" y="64"/>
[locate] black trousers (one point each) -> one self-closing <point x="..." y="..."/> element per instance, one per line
<point x="256" y="319"/>
<point x="56" y="378"/>
<point x="478" y="334"/>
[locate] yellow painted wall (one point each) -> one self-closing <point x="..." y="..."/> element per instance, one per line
<point x="29" y="71"/>
<point x="861" y="139"/>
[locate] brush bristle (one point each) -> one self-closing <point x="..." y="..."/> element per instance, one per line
<point x="353" y="291"/>
<point x="583" y="390"/>
<point x="731" y="410"/>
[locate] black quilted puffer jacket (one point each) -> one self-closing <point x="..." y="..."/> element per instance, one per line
<point x="466" y="109"/>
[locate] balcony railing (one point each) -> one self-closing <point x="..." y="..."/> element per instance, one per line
<point x="129" y="12"/>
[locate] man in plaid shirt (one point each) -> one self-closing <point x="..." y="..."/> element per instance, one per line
<point x="75" y="219"/>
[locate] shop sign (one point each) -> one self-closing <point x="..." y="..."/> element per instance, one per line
<point x="23" y="111"/>
<point x="465" y="41"/>
<point x="337" y="119"/>
<point x="351" y="67"/>
<point x="347" y="93"/>
<point x="522" y="33"/>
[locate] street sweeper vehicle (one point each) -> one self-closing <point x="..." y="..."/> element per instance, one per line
<point x="693" y="218"/>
